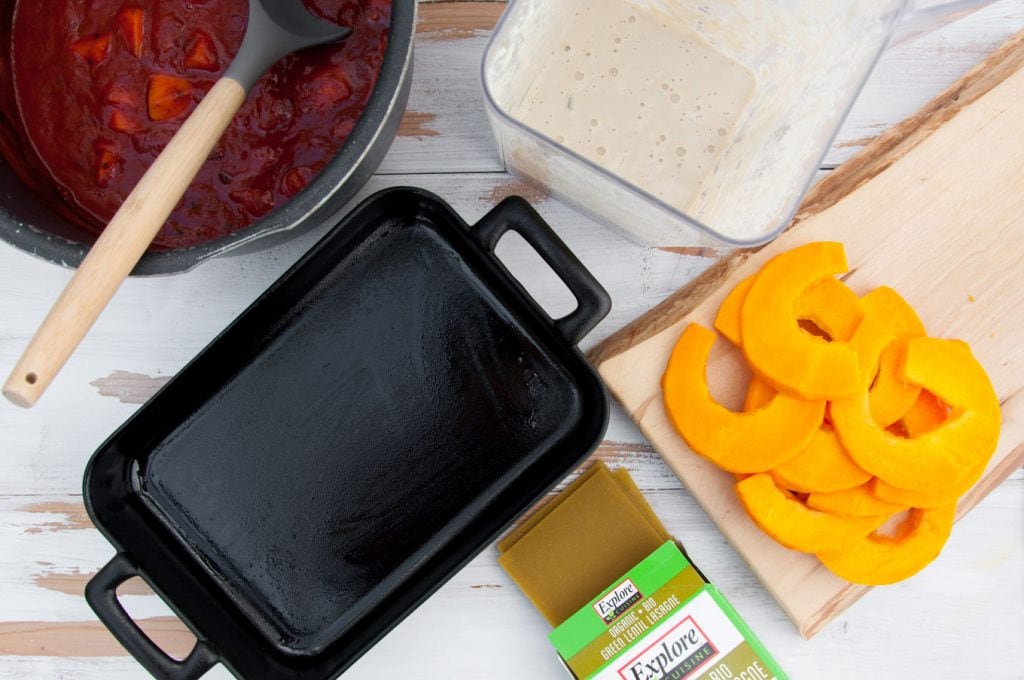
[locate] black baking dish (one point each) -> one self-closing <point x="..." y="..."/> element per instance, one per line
<point x="365" y="428"/>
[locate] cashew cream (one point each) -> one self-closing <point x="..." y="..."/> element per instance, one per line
<point x="642" y="96"/>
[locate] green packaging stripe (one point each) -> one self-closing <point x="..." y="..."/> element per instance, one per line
<point x="642" y="619"/>
<point x="751" y="639"/>
<point x="648" y="576"/>
<point x="743" y="657"/>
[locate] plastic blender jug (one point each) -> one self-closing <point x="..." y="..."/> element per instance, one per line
<point x="590" y="99"/>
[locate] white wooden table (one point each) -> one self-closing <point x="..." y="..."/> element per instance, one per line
<point x="962" y="617"/>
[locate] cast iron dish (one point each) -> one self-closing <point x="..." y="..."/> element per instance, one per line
<point x="29" y="223"/>
<point x="365" y="428"/>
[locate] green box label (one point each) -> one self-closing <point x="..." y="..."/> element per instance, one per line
<point x="662" y="621"/>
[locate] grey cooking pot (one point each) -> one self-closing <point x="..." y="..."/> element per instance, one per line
<point x="29" y="222"/>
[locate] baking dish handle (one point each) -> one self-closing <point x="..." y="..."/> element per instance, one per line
<point x="515" y="214"/>
<point x="101" y="594"/>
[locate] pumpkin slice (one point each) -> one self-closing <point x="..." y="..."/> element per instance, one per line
<point x="822" y="467"/>
<point x="759" y="393"/>
<point x="131" y="21"/>
<point x="929" y="498"/>
<point x="878" y="559"/>
<point x="899" y="317"/>
<point x="751" y="441"/>
<point x="93" y="50"/>
<point x="948" y="369"/>
<point x="727" y="322"/>
<point x="927" y="413"/>
<point x="202" y="54"/>
<point x="790" y="359"/>
<point x="855" y="502"/>
<point x="887" y="318"/>
<point x="793" y="524"/>
<point x="108" y="165"/>
<point x="933" y="459"/>
<point x="831" y="306"/>
<point x="880" y="345"/>
<point x="168" y="96"/>
<point x="891" y="394"/>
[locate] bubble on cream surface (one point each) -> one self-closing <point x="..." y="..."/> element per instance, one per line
<point x="669" y="86"/>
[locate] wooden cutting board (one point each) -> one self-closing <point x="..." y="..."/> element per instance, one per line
<point x="934" y="208"/>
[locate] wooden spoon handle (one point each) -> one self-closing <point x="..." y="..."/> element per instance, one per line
<point x="122" y="243"/>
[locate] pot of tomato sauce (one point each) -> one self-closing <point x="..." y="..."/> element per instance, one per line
<point x="92" y="90"/>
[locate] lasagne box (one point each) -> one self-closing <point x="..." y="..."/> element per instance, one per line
<point x="662" y="621"/>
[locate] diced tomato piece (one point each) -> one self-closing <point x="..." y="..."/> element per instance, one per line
<point x="131" y="20"/>
<point x="120" y="94"/>
<point x="328" y="88"/>
<point x="94" y="49"/>
<point x="202" y="54"/>
<point x="169" y="96"/>
<point x="295" y="180"/>
<point x="107" y="166"/>
<point x="255" y="202"/>
<point x="122" y="122"/>
<point x="272" y="113"/>
<point x="342" y="129"/>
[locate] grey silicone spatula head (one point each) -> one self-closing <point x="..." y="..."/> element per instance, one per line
<point x="277" y="28"/>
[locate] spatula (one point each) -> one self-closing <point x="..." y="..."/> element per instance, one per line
<point x="276" y="28"/>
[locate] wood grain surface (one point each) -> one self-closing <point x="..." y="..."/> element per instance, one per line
<point x="478" y="625"/>
<point x="934" y="208"/>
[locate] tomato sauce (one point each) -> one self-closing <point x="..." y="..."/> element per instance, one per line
<point x="102" y="85"/>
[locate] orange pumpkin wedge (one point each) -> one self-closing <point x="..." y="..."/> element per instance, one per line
<point x="788" y="358"/>
<point x="727" y="322"/>
<point x="879" y="342"/>
<point x="933" y="459"/>
<point x="202" y="54"/>
<point x="759" y="393"/>
<point x="736" y="442"/>
<point x="878" y="559"/>
<point x="929" y="498"/>
<point x="888" y="317"/>
<point x="168" y="96"/>
<point x="894" y="427"/>
<point x="927" y="413"/>
<point x="793" y="524"/>
<point x="822" y="467"/>
<point x="831" y="306"/>
<point x="131" y="20"/>
<point x="93" y="50"/>
<point x="855" y="502"/>
<point x="948" y="369"/>
<point x="891" y="395"/>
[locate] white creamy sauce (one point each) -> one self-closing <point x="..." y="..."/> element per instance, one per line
<point x="721" y="109"/>
<point x="641" y="96"/>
